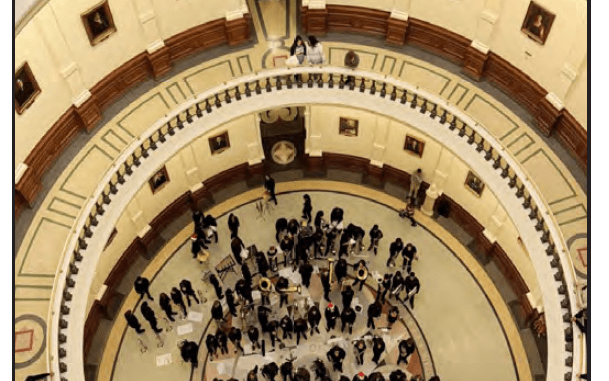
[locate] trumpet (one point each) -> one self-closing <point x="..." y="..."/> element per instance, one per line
<point x="296" y="288"/>
<point x="331" y="261"/>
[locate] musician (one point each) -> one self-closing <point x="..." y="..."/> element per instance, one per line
<point x="319" y="220"/>
<point x="406" y="348"/>
<point x="272" y="257"/>
<point x="347" y="295"/>
<point x="262" y="263"/>
<point x="233" y="225"/>
<point x="293" y="227"/>
<point x="211" y="225"/>
<point x="235" y="336"/>
<point x="253" y="334"/>
<point x="189" y="350"/>
<point x="325" y="282"/>
<point x="281" y="228"/>
<point x="302" y="374"/>
<point x="176" y="297"/>
<point x="340" y="270"/>
<point x="358" y="235"/>
<point x="197" y="245"/>
<point x="236" y="247"/>
<point x="186" y="288"/>
<point x="216" y="312"/>
<point x="378" y="347"/>
<point x="307" y="208"/>
<point x="375" y="236"/>
<point x="287" y="326"/>
<point x="230" y="300"/>
<point x="376" y="376"/>
<point x="300" y="327"/>
<point x="336" y="355"/>
<point x="263" y="317"/>
<point x="396" y="284"/>
<point x="247" y="274"/>
<point x="347" y="318"/>
<point x="165" y="303"/>
<point x="272" y="330"/>
<point x="269" y="186"/>
<point x="360" y="377"/>
<point x="270" y="370"/>
<point x="265" y="286"/>
<point x="305" y="270"/>
<point x="346" y="243"/>
<point x="133" y="322"/>
<point x="412" y="285"/>
<point x="252" y="375"/>
<point x="287" y="245"/>
<point x="244" y="290"/>
<point x="314" y="317"/>
<point x="359" y="349"/>
<point x="394" y="249"/>
<point x="222" y="341"/>
<point x="281" y="285"/>
<point x="142" y="287"/>
<point x="331" y="314"/>
<point x="331" y="234"/>
<point x="398" y="375"/>
<point x="393" y="315"/>
<point x="409" y="254"/>
<point x="374" y="311"/>
<point x="211" y="342"/>
<point x="361" y="273"/>
<point x="287" y="370"/>
<point x="336" y="217"/>
<point x="321" y="372"/>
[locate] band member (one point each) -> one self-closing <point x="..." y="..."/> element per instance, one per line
<point x="396" y="284"/>
<point x="272" y="330"/>
<point x="336" y="355"/>
<point x="186" y="288"/>
<point x="360" y="377"/>
<point x="165" y="303"/>
<point x="361" y="273"/>
<point x="235" y="336"/>
<point x="142" y="286"/>
<point x="409" y="254"/>
<point x="233" y="225"/>
<point x="272" y="257"/>
<point x="347" y="295"/>
<point x="263" y="317"/>
<point x="321" y="372"/>
<point x="412" y="285"/>
<point x="378" y="347"/>
<point x="216" y="312"/>
<point x="213" y="279"/>
<point x="270" y="370"/>
<point x="222" y="341"/>
<point x="281" y="228"/>
<point x="265" y="286"/>
<point x="307" y="208"/>
<point x="359" y="349"/>
<point x="212" y="346"/>
<point x="325" y="282"/>
<point x="211" y="225"/>
<point x="386" y="286"/>
<point x="358" y="235"/>
<point x="406" y="348"/>
<point x="340" y="270"/>
<point x="347" y="318"/>
<point x="347" y="242"/>
<point x="302" y="374"/>
<point x="398" y="375"/>
<point x="252" y="375"/>
<point x="237" y="247"/>
<point x="375" y="236"/>
<point x="374" y="311"/>
<point x="287" y="370"/>
<point x="281" y="285"/>
<point x="300" y="327"/>
<point x="305" y="270"/>
<point x="247" y="274"/>
<point x="293" y="227"/>
<point x="148" y="314"/>
<point x="393" y="315"/>
<point x="253" y="334"/>
<point x="378" y="376"/>
<point x="336" y="217"/>
<point x="269" y="186"/>
<point x="243" y="289"/>
<point x="319" y="221"/>
<point x="314" y="317"/>
<point x="287" y="326"/>
<point x="133" y="322"/>
<point x="331" y="314"/>
<point x="394" y="249"/>
<point x="262" y="263"/>
<point x="197" y="245"/>
<point x="230" y="301"/>
<point x="176" y="297"/>
<point x="189" y="350"/>
<point x="287" y="246"/>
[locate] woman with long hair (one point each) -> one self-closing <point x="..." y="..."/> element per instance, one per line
<point x="299" y="50"/>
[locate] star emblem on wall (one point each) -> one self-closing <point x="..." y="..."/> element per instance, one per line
<point x="283" y="152"/>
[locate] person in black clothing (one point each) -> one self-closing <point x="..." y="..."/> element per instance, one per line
<point x="302" y="374"/>
<point x="359" y="350"/>
<point x="234" y="335"/>
<point x="412" y="285"/>
<point x="314" y="317"/>
<point x="287" y="246"/>
<point x="340" y="270"/>
<point x="347" y="241"/>
<point x="394" y="249"/>
<point x="212" y="346"/>
<point x="216" y="312"/>
<point x="247" y="274"/>
<point x="176" y="297"/>
<point x="269" y="186"/>
<point x="230" y="301"/>
<point x="165" y="303"/>
<point x="233" y="225"/>
<point x="305" y="270"/>
<point x="222" y="341"/>
<point x="376" y="376"/>
<point x="360" y="267"/>
<point x="347" y="295"/>
<point x="189" y="350"/>
<point x="393" y="315"/>
<point x="378" y="347"/>
<point x="148" y="314"/>
<point x="281" y="285"/>
<point x="213" y="279"/>
<point x="244" y="290"/>
<point x="358" y="235"/>
<point x="331" y="235"/>
<point x="375" y="236"/>
<point x="343" y="378"/>
<point x="36" y="377"/>
<point x="252" y="375"/>
<point x="281" y="227"/>
<point x="186" y="288"/>
<point x="360" y="377"/>
<point x="263" y="317"/>
<point x="406" y="348"/>
<point x="374" y="311"/>
<point x="307" y="208"/>
<point x="336" y="216"/>
<point x="265" y="287"/>
<point x="409" y="254"/>
<point x="133" y="322"/>
<point x="331" y="314"/>
<point x="386" y="286"/>
<point x="318" y="222"/>
<point x="253" y="334"/>
<point x="210" y="223"/>
<point x="347" y="318"/>
<point x="263" y="265"/>
<point x="325" y="282"/>
<point x="300" y="327"/>
<point x="336" y="355"/>
<point x="271" y="328"/>
<point x="197" y="245"/>
<point x="287" y="370"/>
<point x="141" y="286"/>
<point x="399" y="375"/>
<point x="270" y="370"/>
<point x="236" y="247"/>
<point x="397" y="284"/>
<point x="287" y="326"/>
<point x="272" y="257"/>
<point x="321" y="372"/>
<point x="293" y="227"/>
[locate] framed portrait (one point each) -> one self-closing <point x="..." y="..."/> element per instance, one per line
<point x="348" y="127"/>
<point x="99" y="23"/>
<point x="414" y="146"/>
<point x="219" y="143"/>
<point x="537" y="23"/>
<point x="26" y="88"/>
<point x="474" y="184"/>
<point x="158" y="180"/>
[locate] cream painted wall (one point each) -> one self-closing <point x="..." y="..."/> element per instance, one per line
<point x="577" y="97"/>
<point x="177" y="16"/>
<point x="459" y="16"/>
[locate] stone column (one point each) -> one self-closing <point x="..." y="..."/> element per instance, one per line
<point x="156" y="51"/>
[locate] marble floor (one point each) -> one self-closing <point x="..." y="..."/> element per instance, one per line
<point x="457" y="326"/>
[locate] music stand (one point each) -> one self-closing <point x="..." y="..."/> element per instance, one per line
<point x="225" y="266"/>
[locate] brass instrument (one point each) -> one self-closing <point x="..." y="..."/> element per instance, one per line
<point x="331" y="261"/>
<point x="362" y="274"/>
<point x="297" y="288"/>
<point x="265" y="284"/>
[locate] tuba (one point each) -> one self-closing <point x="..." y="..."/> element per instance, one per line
<point x="362" y="274"/>
<point x="265" y="284"/>
<point x="331" y="261"/>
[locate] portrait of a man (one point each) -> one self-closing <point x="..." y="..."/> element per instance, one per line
<point x="26" y="88"/>
<point x="98" y="23"/>
<point x="158" y="180"/>
<point x="537" y="23"/>
<point x="414" y="146"/>
<point x="474" y="184"/>
<point x="219" y="143"/>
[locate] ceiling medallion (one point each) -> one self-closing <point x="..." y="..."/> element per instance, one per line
<point x="283" y="152"/>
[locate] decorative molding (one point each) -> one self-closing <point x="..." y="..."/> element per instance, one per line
<point x="89" y="113"/>
<point x="398" y="15"/>
<point x="480" y="46"/>
<point x="474" y="61"/>
<point x="488" y="16"/>
<point x="547" y="116"/>
<point x="234" y="15"/>
<point x="159" y="61"/>
<point x="81" y="98"/>
<point x="397" y="28"/>
<point x="238" y="29"/>
<point x="438" y="40"/>
<point x="555" y="101"/>
<point x="154" y="46"/>
<point x="19" y="171"/>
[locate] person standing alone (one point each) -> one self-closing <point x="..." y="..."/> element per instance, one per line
<point x="269" y="186"/>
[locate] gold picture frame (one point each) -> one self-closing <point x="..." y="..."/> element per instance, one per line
<point x="219" y="143"/>
<point x="414" y="146"/>
<point x="26" y="88"/>
<point x="159" y="180"/>
<point x="348" y="127"/>
<point x="474" y="184"/>
<point x="537" y="23"/>
<point x="99" y="23"/>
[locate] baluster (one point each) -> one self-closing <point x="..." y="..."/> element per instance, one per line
<point x="384" y="90"/>
<point x="70" y="282"/>
<point x="62" y="338"/>
<point x="73" y="269"/>
<point x="550" y="249"/>
<point x="278" y="83"/>
<point x="67" y="296"/>
<point x="341" y="83"/>
<point x="434" y="111"/>
<point x="113" y="189"/>
<point x="136" y="160"/>
<point x="258" y="89"/>
<point x="404" y="98"/>
<point x="362" y="85"/>
<point x="88" y="232"/>
<point x="217" y="101"/>
<point x="443" y="117"/>
<point x="299" y="81"/>
<point x="128" y="170"/>
<point x="506" y="171"/>
<point x="162" y="137"/>
<point x="144" y="152"/>
<point x="63" y="324"/>
<point x="248" y="92"/>
<point x="489" y="154"/>
<point x="527" y="202"/>
<point x="62" y="352"/>
<point x="227" y="97"/>
<point x="288" y="81"/>
<point x="545" y="237"/>
<point x="82" y="244"/>
<point x="413" y="102"/>
<point x="188" y="117"/>
<point x="533" y="213"/>
<point x="453" y="123"/>
<point x="512" y="182"/>
<point x="237" y="93"/>
<point x="480" y="145"/>
<point x="152" y="143"/>
<point x="320" y="81"/>
<point x="63" y="367"/>
<point x="170" y="130"/>
<point x="471" y="138"/>
<point x="331" y="81"/>
<point x="520" y="191"/>
<point x="106" y="199"/>
<point x="394" y="94"/>
<point x="497" y="162"/>
<point x="373" y="87"/>
<point x="207" y="106"/>
<point x="179" y="122"/>
<point x="199" y="111"/>
<point x="93" y="220"/>
<point x="539" y="225"/>
<point x="310" y="81"/>
<point x="268" y="85"/>
<point x="352" y="84"/>
<point x="462" y="131"/>
<point x="423" y="109"/>
<point x="77" y="256"/>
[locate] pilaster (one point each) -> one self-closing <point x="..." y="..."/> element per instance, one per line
<point x="397" y="28"/>
<point x="549" y="112"/>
